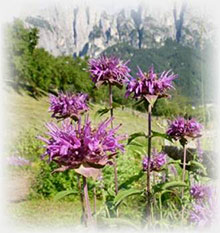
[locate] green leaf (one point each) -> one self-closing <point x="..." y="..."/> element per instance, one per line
<point x="136" y="144"/>
<point x="197" y="165"/>
<point x="131" y="179"/>
<point x="162" y="135"/>
<point x="63" y="194"/>
<point x="174" y="184"/>
<point x="116" y="105"/>
<point x="135" y="135"/>
<point x="138" y="102"/>
<point x="102" y="111"/>
<point x="124" y="194"/>
<point x="174" y="162"/>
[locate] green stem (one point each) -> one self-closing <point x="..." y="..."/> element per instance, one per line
<point x="81" y="198"/>
<point x="184" y="167"/>
<point x="95" y="199"/>
<point x="87" y="204"/>
<point x="114" y="159"/>
<point x="149" y="159"/>
<point x="183" y="178"/>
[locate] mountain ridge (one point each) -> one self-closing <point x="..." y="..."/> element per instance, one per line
<point x="85" y="31"/>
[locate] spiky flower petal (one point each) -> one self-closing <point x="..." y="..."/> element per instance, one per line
<point x="71" y="146"/>
<point x="182" y="128"/>
<point x="68" y="105"/>
<point x="105" y="70"/>
<point x="150" y="83"/>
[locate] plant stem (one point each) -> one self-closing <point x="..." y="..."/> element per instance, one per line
<point x="81" y="198"/>
<point x="149" y="159"/>
<point x="184" y="166"/>
<point x="184" y="171"/>
<point x="114" y="159"/>
<point x="87" y="204"/>
<point x="94" y="192"/>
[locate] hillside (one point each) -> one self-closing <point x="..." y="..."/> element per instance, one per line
<point x="192" y="66"/>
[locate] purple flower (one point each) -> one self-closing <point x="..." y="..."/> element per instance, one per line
<point x="106" y="70"/>
<point x="71" y="146"/>
<point x="199" y="192"/>
<point x="184" y="128"/>
<point x="203" y="209"/>
<point x="202" y="214"/>
<point x="150" y="83"/>
<point x="17" y="161"/>
<point x="156" y="162"/>
<point x="68" y="105"/>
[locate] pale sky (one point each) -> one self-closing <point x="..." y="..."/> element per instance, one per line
<point x="15" y="8"/>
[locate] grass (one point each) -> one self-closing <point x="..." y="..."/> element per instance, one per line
<point x="45" y="213"/>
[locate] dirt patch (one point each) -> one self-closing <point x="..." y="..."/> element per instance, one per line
<point x="17" y="185"/>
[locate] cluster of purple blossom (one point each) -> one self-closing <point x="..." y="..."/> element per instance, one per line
<point x="68" y="105"/>
<point x="17" y="161"/>
<point x="184" y="128"/>
<point x="200" y="192"/>
<point x="150" y="83"/>
<point x="203" y="207"/>
<point x="108" y="70"/>
<point x="201" y="214"/>
<point x="156" y="162"/>
<point x="71" y="146"/>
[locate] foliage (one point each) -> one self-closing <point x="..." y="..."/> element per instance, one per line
<point x="47" y="184"/>
<point x="188" y="63"/>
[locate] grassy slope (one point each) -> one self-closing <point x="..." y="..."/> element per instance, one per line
<point x="25" y="113"/>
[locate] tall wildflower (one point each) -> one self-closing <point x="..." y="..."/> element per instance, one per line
<point x="82" y="148"/>
<point x="109" y="71"/>
<point x="149" y="87"/>
<point x="184" y="130"/>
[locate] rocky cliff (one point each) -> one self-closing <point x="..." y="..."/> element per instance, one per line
<point x="84" y="30"/>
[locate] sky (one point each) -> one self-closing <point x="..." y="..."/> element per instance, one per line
<point x="15" y="8"/>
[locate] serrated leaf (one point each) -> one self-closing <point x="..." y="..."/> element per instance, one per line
<point x="162" y="135"/>
<point x="124" y="194"/>
<point x="135" y="135"/>
<point x="63" y="194"/>
<point x="173" y="184"/>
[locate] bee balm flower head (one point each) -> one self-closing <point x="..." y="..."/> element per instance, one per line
<point x="150" y="84"/>
<point x="183" y="129"/>
<point x="68" y="105"/>
<point x="105" y="70"/>
<point x="71" y="147"/>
